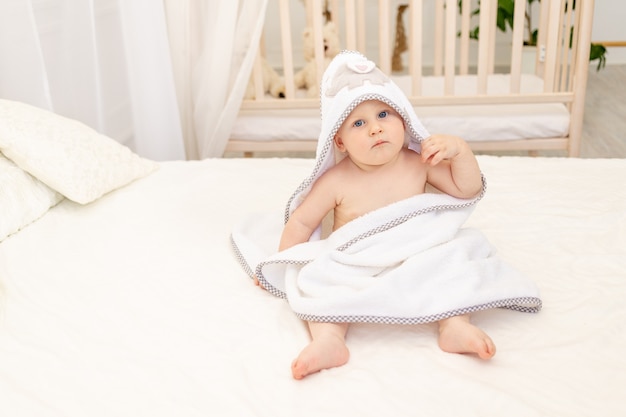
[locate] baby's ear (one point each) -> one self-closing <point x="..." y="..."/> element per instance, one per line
<point x="339" y="143"/>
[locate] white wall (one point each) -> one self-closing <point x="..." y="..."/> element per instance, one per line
<point x="609" y="24"/>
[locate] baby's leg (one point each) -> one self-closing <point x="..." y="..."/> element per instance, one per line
<point x="327" y="349"/>
<point x="458" y="335"/>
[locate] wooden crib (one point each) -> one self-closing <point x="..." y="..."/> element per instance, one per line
<point x="476" y="88"/>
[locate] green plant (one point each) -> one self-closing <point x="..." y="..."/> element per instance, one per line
<point x="504" y="21"/>
<point x="598" y="52"/>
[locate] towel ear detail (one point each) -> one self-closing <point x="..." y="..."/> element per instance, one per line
<point x="361" y="67"/>
<point x="353" y="74"/>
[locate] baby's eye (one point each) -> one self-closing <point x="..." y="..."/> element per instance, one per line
<point x="383" y="114"/>
<point x="358" y="123"/>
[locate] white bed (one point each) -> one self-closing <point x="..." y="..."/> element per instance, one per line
<point x="134" y="304"/>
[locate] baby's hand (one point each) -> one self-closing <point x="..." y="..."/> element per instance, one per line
<point x="436" y="148"/>
<point x="255" y="279"/>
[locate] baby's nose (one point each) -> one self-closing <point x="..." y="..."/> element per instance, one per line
<point x="375" y="129"/>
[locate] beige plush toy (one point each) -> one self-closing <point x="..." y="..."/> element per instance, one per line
<point x="272" y="82"/>
<point x="307" y="76"/>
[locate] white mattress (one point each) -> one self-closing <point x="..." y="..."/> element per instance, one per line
<point x="135" y="305"/>
<point x="474" y="123"/>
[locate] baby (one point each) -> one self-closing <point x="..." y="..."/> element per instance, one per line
<point x="395" y="253"/>
<point x="377" y="171"/>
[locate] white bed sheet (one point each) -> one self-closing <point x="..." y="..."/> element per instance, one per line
<point x="136" y="305"/>
<point x="472" y="122"/>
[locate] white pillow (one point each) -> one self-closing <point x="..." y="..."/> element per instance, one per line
<point x="23" y="199"/>
<point x="65" y="154"/>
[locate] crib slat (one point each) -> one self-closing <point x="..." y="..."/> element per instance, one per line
<point x="350" y="25"/>
<point x="464" y="38"/>
<point x="450" y="49"/>
<point x="415" y="48"/>
<point x="574" y="51"/>
<point x="360" y="16"/>
<point x="384" y="37"/>
<point x="438" y="37"/>
<point x="517" y="45"/>
<point x="492" y="35"/>
<point x="318" y="38"/>
<point x="552" y="45"/>
<point x="566" y="59"/>
<point x="483" y="46"/>
<point x="585" y="12"/>
<point x="542" y="36"/>
<point x="558" y="56"/>
<point x="287" y="52"/>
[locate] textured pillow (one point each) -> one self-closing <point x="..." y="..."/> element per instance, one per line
<point x="65" y="154"/>
<point x="23" y="199"/>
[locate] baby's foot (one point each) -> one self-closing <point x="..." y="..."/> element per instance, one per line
<point x="321" y="353"/>
<point x="458" y="335"/>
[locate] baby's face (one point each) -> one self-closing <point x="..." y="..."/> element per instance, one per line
<point x="373" y="133"/>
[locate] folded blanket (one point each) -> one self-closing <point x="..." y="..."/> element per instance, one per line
<point x="409" y="262"/>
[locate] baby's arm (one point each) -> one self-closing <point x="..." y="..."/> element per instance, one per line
<point x="309" y="215"/>
<point x="453" y="168"/>
<point x="305" y="219"/>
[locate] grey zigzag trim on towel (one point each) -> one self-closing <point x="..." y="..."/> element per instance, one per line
<point x="398" y="221"/>
<point x="518" y="304"/>
<point x="269" y="287"/>
<point x="240" y="259"/>
<point x="250" y="272"/>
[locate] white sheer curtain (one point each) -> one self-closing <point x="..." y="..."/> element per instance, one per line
<point x="103" y="62"/>
<point x="213" y="49"/>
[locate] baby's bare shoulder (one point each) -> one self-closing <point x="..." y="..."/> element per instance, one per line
<point x="329" y="180"/>
<point x="341" y="170"/>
